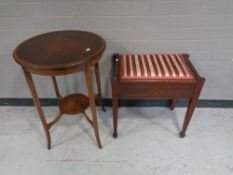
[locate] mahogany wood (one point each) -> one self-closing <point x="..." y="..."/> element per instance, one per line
<point x="62" y="53"/>
<point x="99" y="95"/>
<point x="59" y="50"/>
<point x="173" y="104"/>
<point x="97" y="73"/>
<point x="74" y="104"/>
<point x="32" y="88"/>
<point x="88" y="76"/>
<point x="150" y="89"/>
<point x="55" y="120"/>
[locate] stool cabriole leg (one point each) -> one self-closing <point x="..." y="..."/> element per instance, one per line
<point x="32" y="88"/>
<point x="97" y="76"/>
<point x="191" y="107"/>
<point x="89" y="83"/>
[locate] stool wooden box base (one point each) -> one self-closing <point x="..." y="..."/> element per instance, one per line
<point x="162" y="87"/>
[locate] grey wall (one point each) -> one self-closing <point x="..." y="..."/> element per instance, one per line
<point x="202" y="28"/>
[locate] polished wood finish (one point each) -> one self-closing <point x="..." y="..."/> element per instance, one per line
<point x="99" y="95"/>
<point x="61" y="53"/>
<point x="32" y="88"/>
<point x="88" y="76"/>
<point x="150" y="89"/>
<point x="74" y="104"/>
<point x="192" y="104"/>
<point x="173" y="104"/>
<point x="59" y="50"/>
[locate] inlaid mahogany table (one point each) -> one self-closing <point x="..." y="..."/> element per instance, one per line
<point x="150" y="76"/>
<point x="62" y="53"/>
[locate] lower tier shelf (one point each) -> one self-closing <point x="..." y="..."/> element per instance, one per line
<point x="74" y="104"/>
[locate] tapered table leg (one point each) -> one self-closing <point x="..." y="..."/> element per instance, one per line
<point x="58" y="95"/>
<point x="97" y="75"/>
<point x="89" y="83"/>
<point x="32" y="88"/>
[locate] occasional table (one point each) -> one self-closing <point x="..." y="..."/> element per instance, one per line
<point x="62" y="53"/>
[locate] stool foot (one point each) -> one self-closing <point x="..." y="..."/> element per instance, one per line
<point x="103" y="108"/>
<point x="100" y="146"/>
<point x="182" y="135"/>
<point x="173" y="104"/>
<point x="115" y="135"/>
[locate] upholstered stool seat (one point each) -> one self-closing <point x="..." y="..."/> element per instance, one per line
<point x="149" y="76"/>
<point x="154" y="66"/>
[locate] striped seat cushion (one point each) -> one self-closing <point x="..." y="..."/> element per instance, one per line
<point x="154" y="66"/>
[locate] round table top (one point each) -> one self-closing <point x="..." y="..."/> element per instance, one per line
<point x="59" y="50"/>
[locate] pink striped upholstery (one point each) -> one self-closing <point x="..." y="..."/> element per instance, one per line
<point x="154" y="66"/>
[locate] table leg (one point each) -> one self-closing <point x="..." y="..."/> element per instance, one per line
<point x="32" y="88"/>
<point x="97" y="76"/>
<point x="92" y="103"/>
<point x="58" y="95"/>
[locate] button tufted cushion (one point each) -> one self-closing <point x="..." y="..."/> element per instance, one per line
<point x="154" y="66"/>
